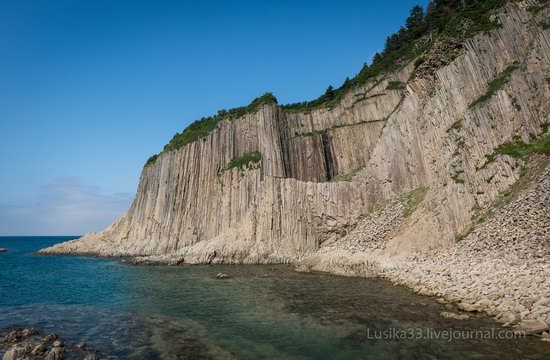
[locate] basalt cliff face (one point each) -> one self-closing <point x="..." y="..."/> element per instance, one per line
<point x="425" y="143"/>
<point x="434" y="176"/>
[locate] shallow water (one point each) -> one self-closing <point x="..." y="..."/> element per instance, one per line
<point x="260" y="312"/>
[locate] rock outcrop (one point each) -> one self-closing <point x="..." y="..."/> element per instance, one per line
<point x="31" y="344"/>
<point x="389" y="140"/>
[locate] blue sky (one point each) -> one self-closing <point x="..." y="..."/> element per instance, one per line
<point x="90" y="89"/>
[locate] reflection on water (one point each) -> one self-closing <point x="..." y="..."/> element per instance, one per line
<point x="260" y="312"/>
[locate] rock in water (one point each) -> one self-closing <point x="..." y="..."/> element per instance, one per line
<point x="50" y="337"/>
<point x="3" y="250"/>
<point x="16" y="352"/>
<point x="91" y="357"/>
<point x="451" y="315"/>
<point x="302" y="268"/>
<point x="56" y="353"/>
<point x="222" y="276"/>
<point x="38" y="349"/>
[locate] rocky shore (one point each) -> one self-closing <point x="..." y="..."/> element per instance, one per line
<point x="501" y="268"/>
<point x="29" y="343"/>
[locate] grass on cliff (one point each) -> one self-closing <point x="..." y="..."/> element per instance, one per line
<point x="206" y="125"/>
<point x="347" y="176"/>
<point x="519" y="149"/>
<point x="396" y="85"/>
<point x="412" y="199"/>
<point x="496" y="84"/>
<point x="443" y="19"/>
<point x="455" y="126"/>
<point x="457" y="179"/>
<point x="535" y="9"/>
<point x="324" y="131"/>
<point x="244" y="161"/>
<point x="533" y="168"/>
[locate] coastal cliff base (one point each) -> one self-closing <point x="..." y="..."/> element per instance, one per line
<point x="500" y="267"/>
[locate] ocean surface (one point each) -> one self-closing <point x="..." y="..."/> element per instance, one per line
<point x="261" y="312"/>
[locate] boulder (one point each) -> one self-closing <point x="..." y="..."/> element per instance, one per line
<point x="540" y="312"/>
<point x="56" y="353"/>
<point x="302" y="268"/>
<point x="28" y="332"/>
<point x="50" y="337"/>
<point x="468" y="307"/>
<point x="16" y="352"/>
<point x="533" y="326"/>
<point x="91" y="357"/>
<point x="38" y="349"/>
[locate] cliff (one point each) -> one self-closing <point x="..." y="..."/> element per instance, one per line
<point x="323" y="171"/>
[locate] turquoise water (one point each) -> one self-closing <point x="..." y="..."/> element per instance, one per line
<point x="260" y="312"/>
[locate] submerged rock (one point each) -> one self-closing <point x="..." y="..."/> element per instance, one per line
<point x="451" y="315"/>
<point x="302" y="268"/>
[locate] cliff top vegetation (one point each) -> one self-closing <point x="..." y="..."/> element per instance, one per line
<point x="443" y="20"/>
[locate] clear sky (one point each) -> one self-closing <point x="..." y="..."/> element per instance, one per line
<point x="89" y="89"/>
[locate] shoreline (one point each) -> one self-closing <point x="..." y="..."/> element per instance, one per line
<point x="500" y="268"/>
<point x="400" y="275"/>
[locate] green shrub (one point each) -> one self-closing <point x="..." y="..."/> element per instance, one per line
<point x="535" y="9"/>
<point x="347" y="176"/>
<point x="457" y="179"/>
<point x="206" y="125"/>
<point x="515" y="103"/>
<point x="496" y="84"/>
<point x="244" y="161"/>
<point x="455" y="126"/>
<point x="444" y="19"/>
<point x="412" y="199"/>
<point x="152" y="160"/>
<point x="518" y="149"/>
<point x="396" y="85"/>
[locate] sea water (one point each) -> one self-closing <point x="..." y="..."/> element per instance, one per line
<point x="270" y="312"/>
